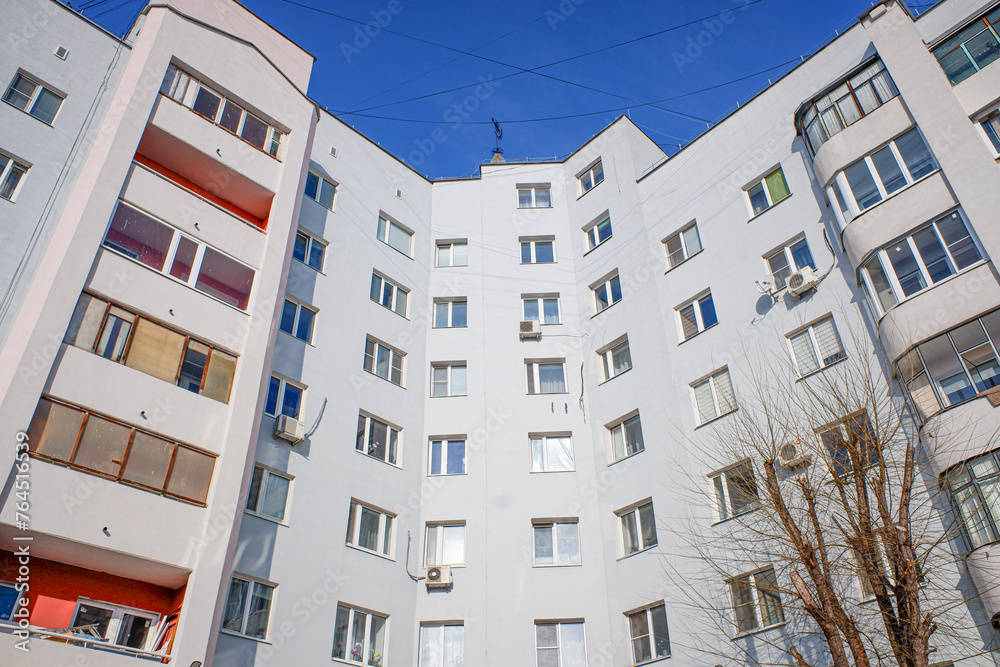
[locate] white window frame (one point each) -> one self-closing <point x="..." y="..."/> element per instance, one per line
<point x="607" y="284"/>
<point x="449" y="388"/>
<point x="448" y="303"/>
<point x="554" y="537"/>
<point x="438" y="542"/>
<point x="435" y="646"/>
<point x="284" y="384"/>
<point x="118" y="613"/>
<point x="386" y="538"/>
<point x="382" y="233"/>
<point x="352" y="614"/>
<point x="12" y="168"/>
<point x="651" y="632"/>
<point x="592" y="231"/>
<point x="808" y="333"/>
<point x="540" y="301"/>
<point x="607" y="356"/>
<point x="309" y="242"/>
<point x="535" y="189"/>
<point x="679" y="237"/>
<point x="444" y="442"/>
<point x="265" y="474"/>
<point x="762" y="182"/>
<point x="395" y="294"/>
<point x="322" y="184"/>
<point x="992" y="118"/>
<point x="695" y="305"/>
<point x="559" y="640"/>
<point x="451" y="245"/>
<point x="29" y="105"/>
<point x="366" y="437"/>
<point x="750" y="579"/>
<point x="786" y="252"/>
<point x="245" y="617"/>
<point x="634" y="511"/>
<point x="296" y="319"/>
<point x="723" y="481"/>
<point x="620" y="426"/>
<point x="591" y="177"/>
<point x="712" y="381"/>
<point x="532" y="372"/>
<point x="394" y="356"/>
<point x="543" y="442"/>
<point x="533" y="243"/>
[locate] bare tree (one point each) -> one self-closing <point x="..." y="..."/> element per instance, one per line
<point x="825" y="480"/>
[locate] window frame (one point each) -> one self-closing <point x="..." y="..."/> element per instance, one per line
<point x="445" y="441"/>
<point x="296" y="319"/>
<point x="594" y="174"/>
<point x="543" y="452"/>
<point x="756" y="604"/>
<point x="711" y="380"/>
<point x="607" y="356"/>
<point x="559" y="623"/>
<point x="769" y="197"/>
<point x="7" y="171"/>
<point x="450" y="244"/>
<point x="439" y="541"/>
<point x="449" y="381"/>
<point x="36" y="93"/>
<point x="980" y="528"/>
<point x="787" y="252"/>
<point x="394" y="355"/>
<point x="385" y="539"/>
<point x="279" y="397"/>
<point x="533" y="242"/>
<point x="266" y="473"/>
<point x="985" y="25"/>
<point x="647" y="611"/>
<point x="809" y="331"/>
<point x="607" y="284"/>
<point x="552" y="524"/>
<point x="396" y="290"/>
<point x="698" y="311"/>
<point x="681" y="239"/>
<point x="253" y="583"/>
<point x="832" y="449"/>
<point x="448" y="302"/>
<point x="532" y="376"/>
<point x="310" y="242"/>
<point x="592" y="232"/>
<point x="635" y="511"/>
<point x="534" y="189"/>
<point x="321" y="183"/>
<point x="723" y="481"/>
<point x="440" y="646"/>
<point x="363" y="444"/>
<point x="540" y="301"/>
<point x="115" y="622"/>
<point x="621" y="425"/>
<point x="988" y="125"/>
<point x="364" y="658"/>
<point x="383" y="233"/>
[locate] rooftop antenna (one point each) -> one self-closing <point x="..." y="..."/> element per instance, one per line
<point x="498" y="131"/>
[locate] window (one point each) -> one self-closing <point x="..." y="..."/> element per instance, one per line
<point x="161" y="247"/>
<point x="973" y="485"/>
<point x="615" y="359"/>
<point x="98" y="445"/>
<point x="783" y="262"/>
<point x="448" y="379"/>
<point x="384" y="361"/>
<point x="452" y="253"/>
<point x="185" y="89"/>
<point x="767" y="192"/>
<point x="735" y="490"/>
<point x="849" y="102"/>
<point x="551" y="453"/>
<point x="592" y="177"/>
<point x="370" y="528"/>
<point x="123" y="337"/>
<point x="713" y="396"/>
<point x="32" y="97"/>
<point x="697" y="316"/>
<point x="990" y="126"/>
<point x="445" y="544"/>
<point x="248" y="607"/>
<point x="446" y="457"/>
<point x="638" y="527"/>
<point x="682" y="245"/>
<point x="268" y="493"/>
<point x="378" y="439"/>
<point x="10" y="601"/>
<point x="648" y="631"/>
<point x="756" y="602"/>
<point x="598" y="232"/>
<point x="626" y="438"/>
<point x="297" y="320"/>
<point x="395" y="235"/>
<point x="309" y="250"/>
<point x="546" y="377"/>
<point x="817" y="346"/>
<point x="11" y="172"/>
<point x="972" y="49"/>
<point x="533" y="196"/>
<point x="877" y="176"/>
<point x="914" y="263"/>
<point x="538" y="251"/>
<point x="442" y="645"/>
<point x="557" y="542"/>
<point x="450" y="313"/>
<point x="953" y="367"/>
<point x="848" y="440"/>
<point x="320" y="189"/>
<point x="389" y="294"/>
<point x="283" y="398"/>
<point x="542" y="308"/>
<point x="560" y="644"/>
<point x="121" y="626"/>
<point x="359" y="636"/>
<point x="607" y="292"/>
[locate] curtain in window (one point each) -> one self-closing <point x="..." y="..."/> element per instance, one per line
<point x="661" y="640"/>
<point x="453" y="544"/>
<point x="233" y="615"/>
<point x="746" y="615"/>
<point x="456" y="457"/>
<point x="648" y="523"/>
<point x="630" y="533"/>
<point x="689" y="324"/>
<point x="340" y="632"/>
<point x="691" y="241"/>
<point x="568" y="543"/>
<point x="830" y="349"/>
<point x="274" y="496"/>
<point x="742" y="488"/>
<point x="560" y="454"/>
<point x="633" y="435"/>
<point x="550" y="377"/>
<point x="155" y="350"/>
<point x="368" y="530"/>
<point x="704" y="402"/>
<point x="724" y="392"/>
<point x="399" y="239"/>
<point x="358" y="636"/>
<point x="544" y="554"/>
<point x="572" y="645"/>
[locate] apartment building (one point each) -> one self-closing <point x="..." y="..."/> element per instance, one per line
<point x="287" y="401"/>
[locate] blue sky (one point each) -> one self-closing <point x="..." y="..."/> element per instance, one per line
<point x="363" y="70"/>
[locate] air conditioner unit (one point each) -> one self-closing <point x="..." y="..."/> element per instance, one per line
<point x="793" y="454"/>
<point x="802" y="281"/>
<point x="530" y="329"/>
<point x="438" y="576"/>
<point x="290" y="429"/>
